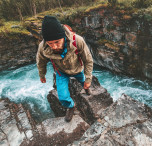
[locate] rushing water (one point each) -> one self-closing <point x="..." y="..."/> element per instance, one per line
<point x="23" y="86"/>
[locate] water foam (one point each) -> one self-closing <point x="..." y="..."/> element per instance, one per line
<point x="116" y="85"/>
<point x="23" y="86"/>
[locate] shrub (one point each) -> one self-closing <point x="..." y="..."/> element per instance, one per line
<point x="1" y="22"/>
<point x="142" y="3"/>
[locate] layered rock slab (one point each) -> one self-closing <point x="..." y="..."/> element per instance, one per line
<point x="125" y="122"/>
<point x="18" y="128"/>
<point x="16" y="124"/>
<point x="58" y="132"/>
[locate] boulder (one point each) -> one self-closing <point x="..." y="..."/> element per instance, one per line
<point x="87" y="105"/>
<point x="58" y="132"/>
<point x="57" y="108"/>
<point x="125" y="122"/>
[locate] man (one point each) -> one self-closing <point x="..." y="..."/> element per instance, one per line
<point x="60" y="45"/>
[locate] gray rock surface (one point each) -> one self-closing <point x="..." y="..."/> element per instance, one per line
<point x="58" y="132"/>
<point x="17" y="51"/>
<point x="15" y="124"/>
<point x="18" y="128"/>
<point x="125" y="122"/>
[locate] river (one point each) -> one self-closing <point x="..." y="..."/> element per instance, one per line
<point x="23" y="85"/>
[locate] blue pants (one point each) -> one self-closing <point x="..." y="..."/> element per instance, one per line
<point x="62" y="87"/>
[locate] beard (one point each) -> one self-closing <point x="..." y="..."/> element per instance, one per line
<point x="58" y="51"/>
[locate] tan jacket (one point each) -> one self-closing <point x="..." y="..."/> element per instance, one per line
<point x="70" y="63"/>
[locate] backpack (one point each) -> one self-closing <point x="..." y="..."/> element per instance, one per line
<point x="76" y="51"/>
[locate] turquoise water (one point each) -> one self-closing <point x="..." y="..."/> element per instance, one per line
<point x="23" y="86"/>
<point x="118" y="84"/>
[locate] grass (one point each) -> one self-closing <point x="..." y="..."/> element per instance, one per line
<point x="127" y="3"/>
<point x="146" y="13"/>
<point x="97" y="5"/>
<point x="69" y="13"/>
<point x="7" y="31"/>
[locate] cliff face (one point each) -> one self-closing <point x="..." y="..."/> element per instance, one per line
<point x="97" y="121"/>
<point x="119" y="40"/>
<point x="17" y="51"/>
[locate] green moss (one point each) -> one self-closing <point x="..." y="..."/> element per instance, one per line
<point x="110" y="44"/>
<point x="96" y="7"/>
<point x="148" y="17"/>
<point x="126" y="3"/>
<point x="103" y="41"/>
<point x="8" y="31"/>
<point x="68" y="14"/>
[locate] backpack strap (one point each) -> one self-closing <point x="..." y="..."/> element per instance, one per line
<point x="74" y="43"/>
<point x="55" y="67"/>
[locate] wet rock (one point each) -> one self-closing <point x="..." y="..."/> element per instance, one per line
<point x="58" y="132"/>
<point x="16" y="124"/>
<point x="15" y="26"/>
<point x="88" y="105"/>
<point x="91" y="135"/>
<point x="55" y="105"/>
<point x="125" y="122"/>
<point x="17" y="127"/>
<point x="136" y="135"/>
<point x="119" y="27"/>
<point x="126" y="111"/>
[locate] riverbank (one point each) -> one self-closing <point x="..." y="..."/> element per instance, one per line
<point x="98" y="120"/>
<point x="119" y="37"/>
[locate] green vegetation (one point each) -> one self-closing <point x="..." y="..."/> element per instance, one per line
<point x="103" y="41"/>
<point x="12" y="28"/>
<point x="26" y="11"/>
<point x="18" y="9"/>
<point x="132" y="3"/>
<point x="110" y="44"/>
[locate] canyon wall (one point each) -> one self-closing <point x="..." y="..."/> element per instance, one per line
<point x="119" y="40"/>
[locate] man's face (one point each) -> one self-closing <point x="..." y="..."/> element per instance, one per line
<point x="56" y="45"/>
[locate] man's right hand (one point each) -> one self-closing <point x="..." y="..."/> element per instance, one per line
<point x="43" y="80"/>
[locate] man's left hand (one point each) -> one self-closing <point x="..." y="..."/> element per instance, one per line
<point x="86" y="85"/>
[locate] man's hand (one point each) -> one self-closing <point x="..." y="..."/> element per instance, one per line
<point x="43" y="80"/>
<point x="86" y="85"/>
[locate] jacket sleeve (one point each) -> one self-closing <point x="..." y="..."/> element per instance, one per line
<point x="86" y="58"/>
<point x="41" y="61"/>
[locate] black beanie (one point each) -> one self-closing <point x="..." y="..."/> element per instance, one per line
<point x="52" y="29"/>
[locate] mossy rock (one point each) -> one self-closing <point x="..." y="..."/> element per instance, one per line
<point x="112" y="47"/>
<point x="96" y="7"/>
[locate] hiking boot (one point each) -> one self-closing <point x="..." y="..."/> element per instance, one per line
<point x="88" y="91"/>
<point x="69" y="114"/>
